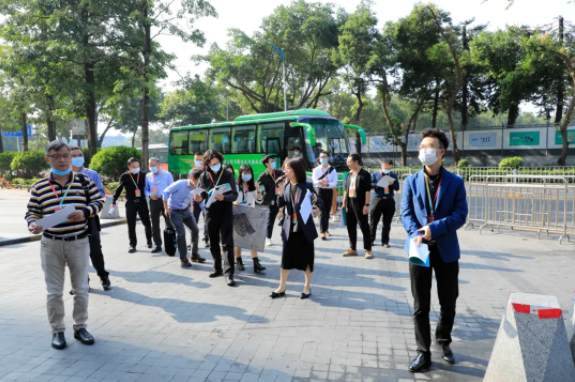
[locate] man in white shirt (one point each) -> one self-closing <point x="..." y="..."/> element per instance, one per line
<point x="325" y="180"/>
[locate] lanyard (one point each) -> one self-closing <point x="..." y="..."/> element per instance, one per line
<point x="432" y="204"/>
<point x="294" y="213"/>
<point x="154" y="180"/>
<point x="65" y="194"/>
<point x="274" y="175"/>
<point x="137" y="180"/>
<point x="216" y="183"/>
<point x="84" y="171"/>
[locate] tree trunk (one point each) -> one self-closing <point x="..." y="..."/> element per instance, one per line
<point x="454" y="148"/>
<point x="356" y="118"/>
<point x="50" y="122"/>
<point x="512" y="116"/>
<point x="146" y="96"/>
<point x="101" y="139"/>
<point x="91" y="109"/>
<point x="24" y="133"/>
<point x="561" y="82"/>
<point x="435" y="105"/>
<point x="403" y="147"/>
<point x="464" y="114"/>
<point x="358" y="146"/>
<point x="564" y="124"/>
<point x="1" y="143"/>
<point x="134" y="138"/>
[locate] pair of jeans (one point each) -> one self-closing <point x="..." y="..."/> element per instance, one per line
<point x="180" y="220"/>
<point x="135" y="208"/>
<point x="382" y="208"/>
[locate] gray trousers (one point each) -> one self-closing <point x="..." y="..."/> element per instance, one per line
<point x="55" y="255"/>
<point x="182" y="219"/>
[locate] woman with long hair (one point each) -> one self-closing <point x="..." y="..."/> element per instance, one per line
<point x="297" y="235"/>
<point x="249" y="195"/>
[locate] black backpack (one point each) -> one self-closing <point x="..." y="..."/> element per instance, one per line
<point x="170" y="237"/>
<point x="94" y="221"/>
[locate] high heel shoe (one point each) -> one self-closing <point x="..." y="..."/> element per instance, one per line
<point x="276" y="295"/>
<point x="305" y="295"/>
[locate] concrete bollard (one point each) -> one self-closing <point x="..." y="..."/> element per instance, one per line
<point x="571" y="327"/>
<point x="106" y="210"/>
<point x="531" y="344"/>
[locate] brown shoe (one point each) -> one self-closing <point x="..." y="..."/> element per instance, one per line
<point x="368" y="255"/>
<point x="350" y="252"/>
<point x="197" y="258"/>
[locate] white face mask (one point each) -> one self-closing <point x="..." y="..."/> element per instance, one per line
<point x="428" y="156"/>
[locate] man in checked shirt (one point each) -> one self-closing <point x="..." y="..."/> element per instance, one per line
<point x="66" y="243"/>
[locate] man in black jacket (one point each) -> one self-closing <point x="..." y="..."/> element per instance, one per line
<point x="219" y="215"/>
<point x="356" y="202"/>
<point x="268" y="180"/>
<point x="134" y="182"/>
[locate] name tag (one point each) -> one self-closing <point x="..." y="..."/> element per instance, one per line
<point x="294" y="218"/>
<point x="352" y="193"/>
<point x="138" y="193"/>
<point x="430" y="219"/>
<point x="277" y="190"/>
<point x="386" y="190"/>
<point x="154" y="190"/>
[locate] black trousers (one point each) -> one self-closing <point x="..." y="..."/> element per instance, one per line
<point x="272" y="218"/>
<point x="221" y="224"/>
<point x="197" y="212"/>
<point x="382" y="208"/>
<point x="134" y="209"/>
<point x="326" y="195"/>
<point x="354" y="216"/>
<point x="96" y="254"/>
<point x="156" y="210"/>
<point x="446" y="275"/>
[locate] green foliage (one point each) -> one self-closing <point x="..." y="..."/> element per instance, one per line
<point x="513" y="162"/>
<point x="31" y="163"/>
<point x="6" y="160"/>
<point x="25" y="181"/>
<point x="463" y="163"/>
<point x="111" y="162"/>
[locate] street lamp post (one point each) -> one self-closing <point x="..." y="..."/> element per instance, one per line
<point x="282" y="55"/>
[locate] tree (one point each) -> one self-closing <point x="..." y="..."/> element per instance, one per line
<point x="356" y="51"/>
<point x="111" y="162"/>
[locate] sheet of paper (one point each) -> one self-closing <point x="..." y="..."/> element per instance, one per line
<point x="384" y="182"/>
<point x="222" y="189"/>
<point x="197" y="191"/>
<point x="418" y="255"/>
<point x="57" y="218"/>
<point x="306" y="208"/>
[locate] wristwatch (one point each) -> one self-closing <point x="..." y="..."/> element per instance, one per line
<point x="367" y="204"/>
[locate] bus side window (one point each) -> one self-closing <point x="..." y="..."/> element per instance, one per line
<point x="179" y="143"/>
<point x="198" y="141"/>
<point x="244" y="138"/>
<point x="271" y="131"/>
<point x="220" y="140"/>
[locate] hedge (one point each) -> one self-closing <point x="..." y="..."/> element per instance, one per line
<point x="30" y="162"/>
<point x="111" y="162"/>
<point x="6" y="159"/>
<point x="513" y="162"/>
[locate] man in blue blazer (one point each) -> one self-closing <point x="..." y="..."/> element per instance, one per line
<point x="433" y="208"/>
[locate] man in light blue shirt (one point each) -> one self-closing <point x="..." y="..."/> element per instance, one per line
<point x="177" y="204"/>
<point x="156" y="182"/>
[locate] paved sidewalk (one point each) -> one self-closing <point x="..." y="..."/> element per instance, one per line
<point x="164" y="323"/>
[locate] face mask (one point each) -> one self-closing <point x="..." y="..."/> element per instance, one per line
<point x="246" y="177"/>
<point x="61" y="173"/>
<point x="199" y="163"/>
<point x="135" y="170"/>
<point x="273" y="165"/>
<point x="428" y="156"/>
<point x="216" y="167"/>
<point x="386" y="171"/>
<point x="154" y="169"/>
<point x="78" y="162"/>
<point x="296" y="153"/>
<point x="323" y="160"/>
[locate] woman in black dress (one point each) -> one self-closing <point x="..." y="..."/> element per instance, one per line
<point x="298" y="250"/>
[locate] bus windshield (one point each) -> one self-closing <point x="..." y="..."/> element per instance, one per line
<point x="329" y="137"/>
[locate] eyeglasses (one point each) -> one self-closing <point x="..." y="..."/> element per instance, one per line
<point x="58" y="157"/>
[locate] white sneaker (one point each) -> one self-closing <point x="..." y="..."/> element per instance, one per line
<point x="269" y="242"/>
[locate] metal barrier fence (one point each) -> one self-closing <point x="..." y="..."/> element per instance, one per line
<point x="540" y="204"/>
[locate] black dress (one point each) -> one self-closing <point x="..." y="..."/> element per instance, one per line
<point x="297" y="252"/>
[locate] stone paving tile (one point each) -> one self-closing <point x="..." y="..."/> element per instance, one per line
<point x="164" y="323"/>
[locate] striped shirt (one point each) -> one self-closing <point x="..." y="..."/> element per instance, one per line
<point x="44" y="202"/>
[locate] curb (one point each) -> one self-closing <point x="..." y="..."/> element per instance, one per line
<point x="28" y="239"/>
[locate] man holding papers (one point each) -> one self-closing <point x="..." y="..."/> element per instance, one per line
<point x="220" y="214"/>
<point x="384" y="182"/>
<point x="65" y="237"/>
<point x="434" y="207"/>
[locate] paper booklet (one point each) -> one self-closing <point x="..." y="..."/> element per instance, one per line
<point x="219" y="190"/>
<point x="418" y="255"/>
<point x="385" y="181"/>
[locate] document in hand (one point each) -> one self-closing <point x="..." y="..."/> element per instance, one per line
<point x="306" y="208"/>
<point x="197" y="191"/>
<point x="418" y="255"/>
<point x="384" y="182"/>
<point x="57" y="218"/>
<point x="220" y="190"/>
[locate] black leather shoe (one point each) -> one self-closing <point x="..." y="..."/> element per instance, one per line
<point x="198" y="259"/>
<point x="386" y="245"/>
<point x="230" y="281"/>
<point x="447" y="355"/>
<point x="216" y="274"/>
<point x="132" y="250"/>
<point x="106" y="284"/>
<point x="305" y="295"/>
<point x="420" y="364"/>
<point x="150" y="244"/>
<point x="276" y="295"/>
<point x="185" y="263"/>
<point x="157" y="249"/>
<point x="240" y="264"/>
<point x="58" y="341"/>
<point x="84" y="337"/>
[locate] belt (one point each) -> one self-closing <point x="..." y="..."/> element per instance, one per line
<point x="66" y="238"/>
<point x="383" y="197"/>
<point x="184" y="210"/>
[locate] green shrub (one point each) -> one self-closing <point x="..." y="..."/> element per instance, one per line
<point x="513" y="162"/>
<point x="463" y="163"/>
<point x="6" y="159"/>
<point x="25" y="182"/>
<point x="111" y="162"/>
<point x="30" y="163"/>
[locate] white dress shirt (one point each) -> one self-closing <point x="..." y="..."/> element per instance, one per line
<point x="252" y="197"/>
<point x="318" y="173"/>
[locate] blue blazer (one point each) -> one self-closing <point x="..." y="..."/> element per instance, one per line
<point x="308" y="229"/>
<point x="450" y="212"/>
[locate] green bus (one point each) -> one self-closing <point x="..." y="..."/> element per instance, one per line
<point x="249" y="138"/>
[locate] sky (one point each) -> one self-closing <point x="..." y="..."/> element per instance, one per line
<point x="248" y="14"/>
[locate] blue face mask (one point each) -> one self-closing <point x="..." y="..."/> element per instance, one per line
<point x="273" y="165"/>
<point x="296" y="153"/>
<point x="135" y="170"/>
<point x="78" y="162"/>
<point x="60" y="173"/>
<point x="323" y="160"/>
<point x="199" y="163"/>
<point x="216" y="167"/>
<point x="154" y="169"/>
<point x="246" y="177"/>
<point x="386" y="171"/>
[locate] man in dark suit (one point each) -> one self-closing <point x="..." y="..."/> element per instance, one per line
<point x="356" y="202"/>
<point x="434" y="207"/>
<point x="383" y="205"/>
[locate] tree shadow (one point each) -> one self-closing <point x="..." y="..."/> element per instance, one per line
<point x="150" y="277"/>
<point x="183" y="311"/>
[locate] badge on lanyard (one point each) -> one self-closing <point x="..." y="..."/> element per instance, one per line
<point x="138" y="193"/>
<point x="432" y="202"/>
<point x="57" y="209"/>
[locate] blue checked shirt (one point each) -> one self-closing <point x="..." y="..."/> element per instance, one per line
<point x="179" y="195"/>
<point x="162" y="181"/>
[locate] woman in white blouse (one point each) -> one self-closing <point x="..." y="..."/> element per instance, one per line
<point x="248" y="194"/>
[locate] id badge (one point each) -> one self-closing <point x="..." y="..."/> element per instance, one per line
<point x="138" y="193"/>
<point x="154" y="190"/>
<point x="430" y="219"/>
<point x="386" y="190"/>
<point x="352" y="193"/>
<point x="277" y="190"/>
<point x="294" y="218"/>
